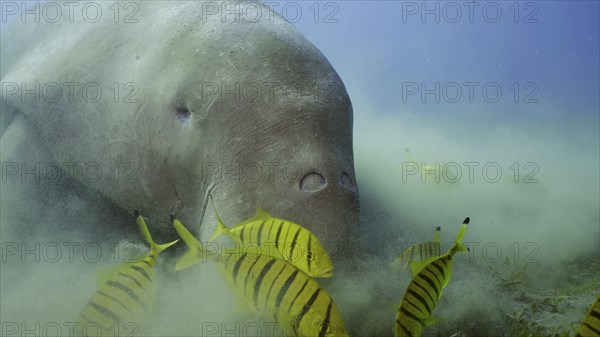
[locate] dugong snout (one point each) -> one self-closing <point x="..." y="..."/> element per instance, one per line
<point x="213" y="100"/>
<point x="321" y="197"/>
<point x="314" y="182"/>
<point x="331" y="211"/>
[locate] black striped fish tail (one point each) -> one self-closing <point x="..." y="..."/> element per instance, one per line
<point x="196" y="249"/>
<point x="458" y="245"/>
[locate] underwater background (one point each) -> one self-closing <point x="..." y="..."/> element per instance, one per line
<point x="509" y="90"/>
<point x="503" y="96"/>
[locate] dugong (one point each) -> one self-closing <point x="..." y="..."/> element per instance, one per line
<point x="169" y="106"/>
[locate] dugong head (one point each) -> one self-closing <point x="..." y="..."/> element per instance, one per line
<point x="238" y="106"/>
<point x="261" y="120"/>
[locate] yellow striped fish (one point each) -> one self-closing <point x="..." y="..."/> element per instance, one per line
<point x="274" y="288"/>
<point x="590" y="327"/>
<point x="425" y="290"/>
<point x="124" y="298"/>
<point x="281" y="239"/>
<point x="419" y="252"/>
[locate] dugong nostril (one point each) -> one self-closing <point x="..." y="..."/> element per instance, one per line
<point x="182" y="112"/>
<point x="312" y="182"/>
<point x="347" y="182"/>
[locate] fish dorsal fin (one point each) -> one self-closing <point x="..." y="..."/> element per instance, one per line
<point x="262" y="214"/>
<point x="417" y="266"/>
<point x="402" y="261"/>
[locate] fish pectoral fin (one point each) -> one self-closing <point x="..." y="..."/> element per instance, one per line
<point x="431" y="320"/>
<point x="260" y="215"/>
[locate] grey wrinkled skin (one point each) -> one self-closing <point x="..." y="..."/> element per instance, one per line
<point x="175" y="132"/>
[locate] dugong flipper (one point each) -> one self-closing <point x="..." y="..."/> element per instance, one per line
<point x="175" y="100"/>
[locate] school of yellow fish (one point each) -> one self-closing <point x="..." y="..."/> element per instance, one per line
<point x="430" y="276"/>
<point x="276" y="280"/>
<point x="124" y="295"/>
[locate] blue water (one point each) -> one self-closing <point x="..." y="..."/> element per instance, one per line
<point x="383" y="44"/>
<point x="539" y="62"/>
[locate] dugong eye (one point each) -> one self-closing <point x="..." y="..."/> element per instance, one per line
<point x="312" y="182"/>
